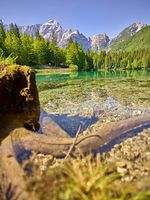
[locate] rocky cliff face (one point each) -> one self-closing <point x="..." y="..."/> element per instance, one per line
<point x="19" y="103"/>
<point x="52" y="29"/>
<point x="30" y="30"/>
<point x="132" y="29"/>
<point x="76" y="36"/>
<point x="99" y="42"/>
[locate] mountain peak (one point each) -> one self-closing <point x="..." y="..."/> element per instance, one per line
<point x="135" y="27"/>
<point x="137" y="23"/>
<point x="52" y="22"/>
<point x="129" y="31"/>
<point x="100" y="41"/>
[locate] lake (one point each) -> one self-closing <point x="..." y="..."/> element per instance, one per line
<point x="92" y="99"/>
<point x="131" y="74"/>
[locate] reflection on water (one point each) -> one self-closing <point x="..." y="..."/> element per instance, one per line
<point x="129" y="74"/>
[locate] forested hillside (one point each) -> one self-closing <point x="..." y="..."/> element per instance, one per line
<point x="141" y="40"/>
<point x="134" y="52"/>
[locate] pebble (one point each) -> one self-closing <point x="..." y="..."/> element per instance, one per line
<point x="122" y="171"/>
<point x="132" y="157"/>
<point x="42" y="161"/>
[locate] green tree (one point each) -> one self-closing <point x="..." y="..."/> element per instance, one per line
<point x="146" y="62"/>
<point x="14" y="30"/>
<point x="2" y="35"/>
<point x="28" y="56"/>
<point x="13" y="43"/>
<point x="75" y="55"/>
<point x="56" y="55"/>
<point x="71" y="53"/>
<point x="81" y="58"/>
<point x="40" y="50"/>
<point x="89" y="60"/>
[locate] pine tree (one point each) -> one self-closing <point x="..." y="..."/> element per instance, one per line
<point x="14" y="30"/>
<point x="13" y="43"/>
<point x="81" y="58"/>
<point x="40" y="50"/>
<point x="2" y="34"/>
<point x="72" y="54"/>
<point x="27" y="50"/>
<point x="56" y="55"/>
<point x="89" y="60"/>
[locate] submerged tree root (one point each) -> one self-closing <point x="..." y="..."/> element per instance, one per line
<point x="19" y="140"/>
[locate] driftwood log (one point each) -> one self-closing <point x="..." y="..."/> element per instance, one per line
<point x="24" y="139"/>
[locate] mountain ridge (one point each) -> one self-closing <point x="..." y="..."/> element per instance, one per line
<point x="126" y="34"/>
<point x="138" y="41"/>
<point x="63" y="36"/>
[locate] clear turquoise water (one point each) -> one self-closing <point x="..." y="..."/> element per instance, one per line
<point x="80" y="96"/>
<point x="94" y="76"/>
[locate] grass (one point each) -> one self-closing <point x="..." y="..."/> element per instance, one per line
<point x="10" y="60"/>
<point x="85" y="178"/>
<point x="4" y="62"/>
<point x="10" y="65"/>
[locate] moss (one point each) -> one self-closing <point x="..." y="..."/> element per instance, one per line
<point x="25" y="69"/>
<point x="13" y="69"/>
<point x="86" y="178"/>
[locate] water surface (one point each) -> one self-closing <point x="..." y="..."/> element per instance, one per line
<point x="128" y="74"/>
<point x="86" y="98"/>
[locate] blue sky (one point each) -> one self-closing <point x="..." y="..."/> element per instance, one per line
<point x="91" y="17"/>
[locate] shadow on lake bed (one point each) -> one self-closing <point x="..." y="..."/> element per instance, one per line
<point x="129" y="134"/>
<point x="69" y="123"/>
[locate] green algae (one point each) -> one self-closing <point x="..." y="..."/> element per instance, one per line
<point x="126" y="92"/>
